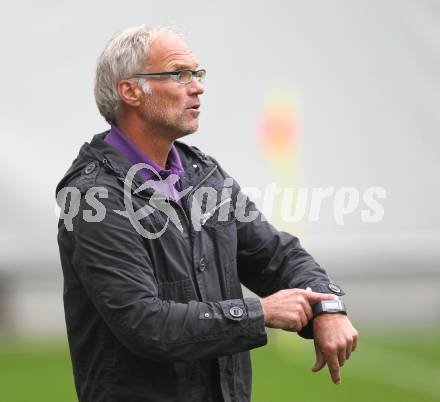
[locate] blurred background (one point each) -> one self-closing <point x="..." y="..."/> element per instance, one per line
<point x="338" y="96"/>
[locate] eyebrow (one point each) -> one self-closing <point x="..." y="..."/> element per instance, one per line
<point x="178" y="67"/>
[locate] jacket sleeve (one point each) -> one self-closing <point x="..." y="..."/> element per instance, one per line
<point x="269" y="260"/>
<point x="114" y="267"/>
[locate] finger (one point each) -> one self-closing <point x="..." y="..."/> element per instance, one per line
<point x="342" y="356"/>
<point x="303" y="318"/>
<point x="349" y="349"/>
<point x="306" y="308"/>
<point x="355" y="342"/>
<point x="333" y="366"/>
<point x="313" y="297"/>
<point x="308" y="288"/>
<point x="320" y="361"/>
<point x="308" y="311"/>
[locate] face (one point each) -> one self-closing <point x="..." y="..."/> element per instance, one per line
<point x="171" y="107"/>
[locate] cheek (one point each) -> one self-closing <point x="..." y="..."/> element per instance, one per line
<point x="169" y="100"/>
<point x="178" y="99"/>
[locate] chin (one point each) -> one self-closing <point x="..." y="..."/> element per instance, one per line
<point x="190" y="128"/>
<point x="182" y="132"/>
<point x="183" y="127"/>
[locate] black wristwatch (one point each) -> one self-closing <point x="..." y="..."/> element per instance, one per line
<point x="329" y="306"/>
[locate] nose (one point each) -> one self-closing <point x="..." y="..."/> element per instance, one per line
<point x="195" y="87"/>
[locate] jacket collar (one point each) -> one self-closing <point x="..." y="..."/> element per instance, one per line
<point x="195" y="163"/>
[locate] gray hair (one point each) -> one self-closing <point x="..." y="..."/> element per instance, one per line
<point x="124" y="55"/>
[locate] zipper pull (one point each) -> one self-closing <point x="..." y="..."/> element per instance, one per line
<point x="107" y="165"/>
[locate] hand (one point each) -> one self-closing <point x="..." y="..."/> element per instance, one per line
<point x="335" y="340"/>
<point x="289" y="309"/>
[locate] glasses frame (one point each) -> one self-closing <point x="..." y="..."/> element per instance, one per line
<point x="175" y="75"/>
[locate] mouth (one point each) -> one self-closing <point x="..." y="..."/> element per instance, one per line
<point x="195" y="107"/>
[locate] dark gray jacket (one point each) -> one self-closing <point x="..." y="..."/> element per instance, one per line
<point x="165" y="319"/>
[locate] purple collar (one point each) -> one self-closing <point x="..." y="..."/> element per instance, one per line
<point x="118" y="139"/>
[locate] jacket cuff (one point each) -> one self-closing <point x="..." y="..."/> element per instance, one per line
<point x="307" y="331"/>
<point x="248" y="314"/>
<point x="326" y="287"/>
<point x="254" y="308"/>
<point x="256" y="318"/>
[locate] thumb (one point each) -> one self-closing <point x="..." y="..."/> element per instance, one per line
<point x="320" y="361"/>
<point x="313" y="297"/>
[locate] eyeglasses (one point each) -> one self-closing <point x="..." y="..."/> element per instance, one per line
<point x="182" y="76"/>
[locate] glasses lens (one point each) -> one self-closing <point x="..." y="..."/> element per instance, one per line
<point x="200" y="75"/>
<point x="185" y="76"/>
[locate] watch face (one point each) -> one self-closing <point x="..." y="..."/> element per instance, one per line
<point x="332" y="305"/>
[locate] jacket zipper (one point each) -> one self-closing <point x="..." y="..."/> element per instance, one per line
<point x="208" y="175"/>
<point x="210" y="213"/>
<point x="194" y="189"/>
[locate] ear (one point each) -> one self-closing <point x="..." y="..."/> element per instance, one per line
<point x="130" y="93"/>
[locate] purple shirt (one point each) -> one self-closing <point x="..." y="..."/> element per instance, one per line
<point x="118" y="139"/>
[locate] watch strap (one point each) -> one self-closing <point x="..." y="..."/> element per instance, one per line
<point x="329" y="306"/>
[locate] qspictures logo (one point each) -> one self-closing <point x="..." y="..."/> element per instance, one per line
<point x="210" y="207"/>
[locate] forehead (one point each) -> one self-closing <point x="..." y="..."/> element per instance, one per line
<point x="169" y="50"/>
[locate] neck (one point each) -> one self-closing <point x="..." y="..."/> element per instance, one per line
<point x="146" y="138"/>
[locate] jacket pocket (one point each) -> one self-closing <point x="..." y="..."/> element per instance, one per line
<point x="221" y="241"/>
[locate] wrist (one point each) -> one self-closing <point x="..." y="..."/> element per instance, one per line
<point x="266" y="311"/>
<point x="329" y="307"/>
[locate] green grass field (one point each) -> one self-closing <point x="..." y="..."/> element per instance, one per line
<point x="388" y="367"/>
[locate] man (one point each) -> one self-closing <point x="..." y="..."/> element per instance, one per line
<point x="153" y="303"/>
